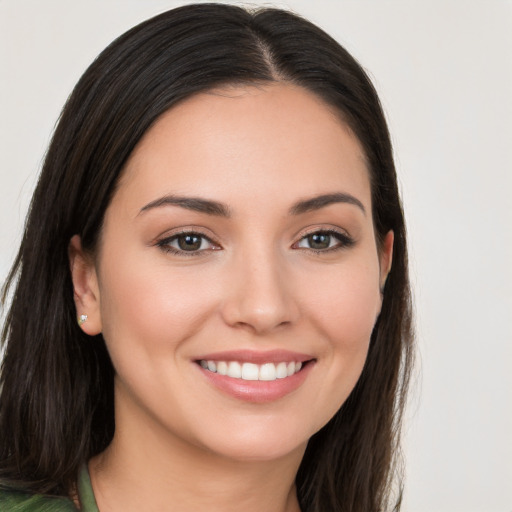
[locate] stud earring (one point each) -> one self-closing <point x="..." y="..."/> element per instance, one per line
<point x="82" y="319"/>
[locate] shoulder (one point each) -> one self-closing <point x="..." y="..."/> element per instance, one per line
<point x="16" y="501"/>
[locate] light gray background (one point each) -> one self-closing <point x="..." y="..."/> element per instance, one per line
<point x="444" y="72"/>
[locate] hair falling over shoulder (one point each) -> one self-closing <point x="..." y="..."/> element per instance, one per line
<point x="57" y="398"/>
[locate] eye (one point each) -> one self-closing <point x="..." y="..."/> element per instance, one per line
<point x="188" y="242"/>
<point x="324" y="240"/>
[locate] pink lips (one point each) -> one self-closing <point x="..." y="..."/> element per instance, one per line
<point x="252" y="356"/>
<point x="257" y="391"/>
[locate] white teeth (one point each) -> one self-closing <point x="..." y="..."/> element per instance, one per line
<point x="222" y="368"/>
<point x="251" y="371"/>
<point x="234" y="370"/>
<point x="268" y="371"/>
<point x="281" y="370"/>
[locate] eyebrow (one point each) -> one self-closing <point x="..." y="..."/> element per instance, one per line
<point x="216" y="208"/>
<point x="318" y="202"/>
<point x="196" y="204"/>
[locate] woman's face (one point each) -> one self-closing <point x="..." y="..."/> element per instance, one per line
<point x="238" y="247"/>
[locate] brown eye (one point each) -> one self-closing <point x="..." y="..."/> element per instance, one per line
<point x="189" y="242"/>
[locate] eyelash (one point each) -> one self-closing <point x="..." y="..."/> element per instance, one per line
<point x="344" y="242"/>
<point x="164" y="244"/>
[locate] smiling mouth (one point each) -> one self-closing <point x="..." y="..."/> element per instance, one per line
<point x="256" y="376"/>
<point x="253" y="372"/>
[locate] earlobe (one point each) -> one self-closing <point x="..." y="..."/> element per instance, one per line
<point x="386" y="258"/>
<point x="85" y="288"/>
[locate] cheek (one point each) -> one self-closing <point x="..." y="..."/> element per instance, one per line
<point x="347" y="306"/>
<point x="150" y="307"/>
<point x="345" y="314"/>
<point x="347" y="325"/>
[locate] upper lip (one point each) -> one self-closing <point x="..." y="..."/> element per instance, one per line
<point x="257" y="357"/>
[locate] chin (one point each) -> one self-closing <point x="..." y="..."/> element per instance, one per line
<point x="258" y="439"/>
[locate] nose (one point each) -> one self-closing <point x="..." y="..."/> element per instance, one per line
<point x="259" y="293"/>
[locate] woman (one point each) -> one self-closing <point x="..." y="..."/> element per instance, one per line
<point x="211" y="304"/>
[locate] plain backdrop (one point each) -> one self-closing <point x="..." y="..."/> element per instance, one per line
<point x="443" y="69"/>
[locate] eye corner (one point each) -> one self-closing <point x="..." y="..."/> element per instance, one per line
<point x="187" y="243"/>
<point x="324" y="240"/>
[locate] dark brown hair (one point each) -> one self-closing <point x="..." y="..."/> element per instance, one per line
<point x="56" y="402"/>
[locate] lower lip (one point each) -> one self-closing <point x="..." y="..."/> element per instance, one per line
<point x="258" y="391"/>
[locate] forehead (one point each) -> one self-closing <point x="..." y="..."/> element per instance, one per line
<point x="270" y="141"/>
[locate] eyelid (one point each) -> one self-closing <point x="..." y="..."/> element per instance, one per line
<point x="345" y="240"/>
<point x="163" y="242"/>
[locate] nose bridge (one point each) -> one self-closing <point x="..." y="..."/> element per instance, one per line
<point x="260" y="297"/>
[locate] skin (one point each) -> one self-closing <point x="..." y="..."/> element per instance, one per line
<point x="181" y="443"/>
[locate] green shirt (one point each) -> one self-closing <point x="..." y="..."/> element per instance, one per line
<point x="16" y="501"/>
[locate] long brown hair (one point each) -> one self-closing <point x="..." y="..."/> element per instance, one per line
<point x="56" y="402"/>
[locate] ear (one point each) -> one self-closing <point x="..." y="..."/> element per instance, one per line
<point x="386" y="257"/>
<point x="85" y="286"/>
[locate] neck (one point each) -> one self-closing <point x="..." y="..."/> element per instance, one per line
<point x="144" y="469"/>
